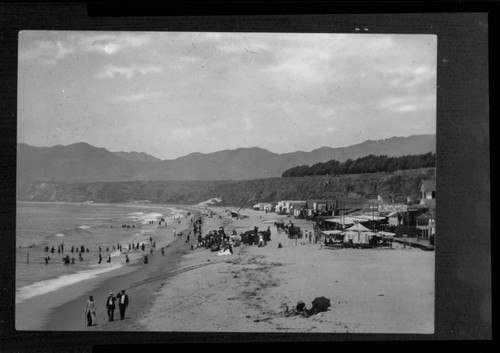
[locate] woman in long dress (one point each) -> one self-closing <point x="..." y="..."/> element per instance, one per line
<point x="90" y="310"/>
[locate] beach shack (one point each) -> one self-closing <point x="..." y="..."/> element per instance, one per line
<point x="321" y="207"/>
<point x="426" y="225"/>
<point x="289" y="206"/>
<point x="261" y="206"/>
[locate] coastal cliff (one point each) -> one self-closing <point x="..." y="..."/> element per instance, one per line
<point x="395" y="186"/>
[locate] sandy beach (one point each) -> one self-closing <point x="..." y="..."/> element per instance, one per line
<point x="371" y="290"/>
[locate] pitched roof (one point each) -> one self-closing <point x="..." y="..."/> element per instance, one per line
<point x="428" y="184"/>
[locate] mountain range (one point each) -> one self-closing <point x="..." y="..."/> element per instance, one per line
<point x="86" y="163"/>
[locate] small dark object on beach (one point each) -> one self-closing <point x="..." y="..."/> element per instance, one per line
<point x="319" y="304"/>
<point x="300" y="306"/>
<point x="280" y="246"/>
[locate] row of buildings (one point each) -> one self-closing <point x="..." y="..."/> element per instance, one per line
<point x="410" y="219"/>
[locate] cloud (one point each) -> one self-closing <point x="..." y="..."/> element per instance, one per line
<point x="128" y="72"/>
<point x="403" y="104"/>
<point x="409" y="76"/>
<point x="239" y="46"/>
<point x="112" y="43"/>
<point x="48" y="52"/>
<point x="65" y="43"/>
<point x="199" y="131"/>
<point x="135" y="97"/>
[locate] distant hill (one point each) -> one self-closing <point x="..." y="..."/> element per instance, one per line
<point x="137" y="156"/>
<point x="83" y="162"/>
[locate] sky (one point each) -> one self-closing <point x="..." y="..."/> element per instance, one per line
<point x="169" y="94"/>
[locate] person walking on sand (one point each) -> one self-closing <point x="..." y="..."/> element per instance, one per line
<point x="122" y="303"/>
<point x="110" y="306"/>
<point x="90" y="311"/>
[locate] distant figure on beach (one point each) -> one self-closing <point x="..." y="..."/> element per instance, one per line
<point x="280" y="246"/>
<point x="143" y="247"/>
<point x="80" y="257"/>
<point x="52" y="249"/>
<point x="127" y="260"/>
<point x="46" y="249"/>
<point x="109" y="258"/>
<point x="90" y="310"/>
<point x="145" y="260"/>
<point x="88" y="250"/>
<point x="110" y="306"/>
<point x="46" y="260"/>
<point x="163" y="251"/>
<point x="100" y="258"/>
<point x="122" y="303"/>
<point x="107" y="248"/>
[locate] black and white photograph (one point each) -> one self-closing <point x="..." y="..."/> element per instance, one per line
<point x="226" y="182"/>
<point x="216" y="173"/>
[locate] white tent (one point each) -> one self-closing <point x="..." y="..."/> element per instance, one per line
<point x="358" y="227"/>
<point x="358" y="233"/>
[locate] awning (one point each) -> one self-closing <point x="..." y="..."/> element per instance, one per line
<point x="386" y="234"/>
<point x="330" y="232"/>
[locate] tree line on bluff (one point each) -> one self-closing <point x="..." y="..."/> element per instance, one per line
<point x="368" y="164"/>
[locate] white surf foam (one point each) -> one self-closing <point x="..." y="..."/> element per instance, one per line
<point x="60" y="235"/>
<point x="84" y="227"/>
<point x="50" y="285"/>
<point x="145" y="218"/>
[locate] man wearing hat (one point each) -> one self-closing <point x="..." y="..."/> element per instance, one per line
<point x="122" y="302"/>
<point x="110" y="306"/>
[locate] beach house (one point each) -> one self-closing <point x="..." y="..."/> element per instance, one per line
<point x="261" y="206"/>
<point x="428" y="193"/>
<point x="426" y="224"/>
<point x="289" y="206"/>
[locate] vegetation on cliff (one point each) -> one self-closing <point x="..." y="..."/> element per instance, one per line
<point x="396" y="186"/>
<point x="368" y="164"/>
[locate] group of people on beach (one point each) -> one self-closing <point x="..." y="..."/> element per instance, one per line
<point x="66" y="259"/>
<point x="91" y="307"/>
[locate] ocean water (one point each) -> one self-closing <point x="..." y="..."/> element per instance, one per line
<point x="41" y="224"/>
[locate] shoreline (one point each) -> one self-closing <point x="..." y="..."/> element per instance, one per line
<point x="56" y="309"/>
